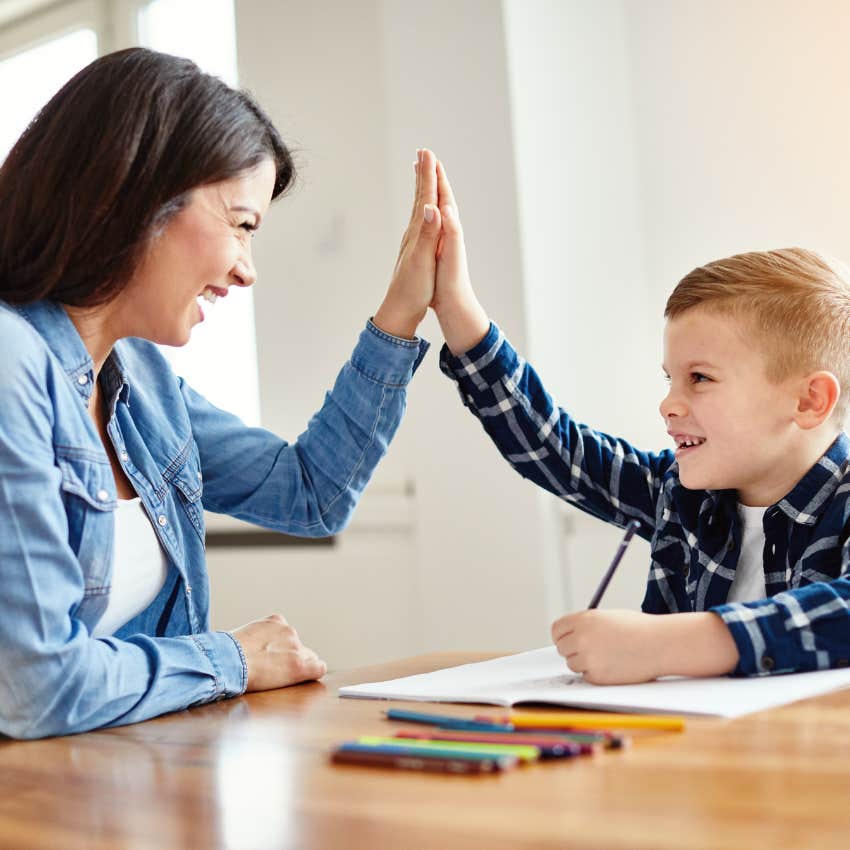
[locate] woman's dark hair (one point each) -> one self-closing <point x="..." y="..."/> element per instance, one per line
<point x="109" y="160"/>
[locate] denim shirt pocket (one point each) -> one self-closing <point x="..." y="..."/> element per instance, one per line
<point x="188" y="481"/>
<point x="88" y="493"/>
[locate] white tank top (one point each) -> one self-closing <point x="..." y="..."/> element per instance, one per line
<point x="748" y="584"/>
<point x="139" y="567"/>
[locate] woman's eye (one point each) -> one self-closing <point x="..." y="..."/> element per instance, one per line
<point x="698" y="377"/>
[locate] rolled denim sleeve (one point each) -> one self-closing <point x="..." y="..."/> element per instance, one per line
<point x="54" y="677"/>
<point x="309" y="487"/>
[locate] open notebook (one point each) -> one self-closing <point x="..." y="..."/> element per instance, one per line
<point x="540" y="675"/>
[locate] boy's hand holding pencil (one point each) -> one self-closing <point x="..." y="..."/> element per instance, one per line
<point x="627" y="647"/>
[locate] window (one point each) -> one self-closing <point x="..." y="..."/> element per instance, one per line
<point x="45" y="68"/>
<point x="40" y="51"/>
<point x="221" y="360"/>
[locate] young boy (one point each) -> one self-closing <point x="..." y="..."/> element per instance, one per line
<point x="747" y="517"/>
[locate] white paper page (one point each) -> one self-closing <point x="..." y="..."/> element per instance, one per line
<point x="541" y="675"/>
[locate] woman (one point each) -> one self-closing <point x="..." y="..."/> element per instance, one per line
<point x="133" y="194"/>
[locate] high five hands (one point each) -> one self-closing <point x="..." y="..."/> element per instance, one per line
<point x="431" y="270"/>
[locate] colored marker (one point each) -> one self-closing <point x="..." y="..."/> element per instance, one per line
<point x="429" y="765"/>
<point x="608" y="740"/>
<point x="550" y="746"/>
<point x="523" y="752"/>
<point x="445" y="721"/>
<point x="403" y="749"/>
<point x="590" y="720"/>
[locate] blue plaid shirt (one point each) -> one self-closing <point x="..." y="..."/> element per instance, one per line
<point x="695" y="535"/>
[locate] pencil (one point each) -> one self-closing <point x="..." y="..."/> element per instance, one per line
<point x="429" y="765"/>
<point x="550" y="746"/>
<point x="445" y="721"/>
<point x="631" y="528"/>
<point x="592" y="720"/>
<point x="524" y="752"/>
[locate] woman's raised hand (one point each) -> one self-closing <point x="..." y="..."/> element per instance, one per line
<point x="462" y="319"/>
<point x="412" y="287"/>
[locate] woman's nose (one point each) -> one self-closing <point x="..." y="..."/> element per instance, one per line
<point x="244" y="273"/>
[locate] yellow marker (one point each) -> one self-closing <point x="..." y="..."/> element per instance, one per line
<point x="591" y="720"/>
<point x="522" y="752"/>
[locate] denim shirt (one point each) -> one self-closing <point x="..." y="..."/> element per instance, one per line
<point x="182" y="455"/>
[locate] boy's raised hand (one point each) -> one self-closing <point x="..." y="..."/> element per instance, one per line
<point x="411" y="289"/>
<point x="462" y="319"/>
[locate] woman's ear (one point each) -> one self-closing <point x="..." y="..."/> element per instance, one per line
<point x="818" y="395"/>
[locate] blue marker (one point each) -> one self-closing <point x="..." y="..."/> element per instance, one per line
<point x="443" y="721"/>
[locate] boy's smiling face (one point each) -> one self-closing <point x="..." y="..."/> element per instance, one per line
<point x="734" y="428"/>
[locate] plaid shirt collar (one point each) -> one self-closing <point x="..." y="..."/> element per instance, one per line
<point x="805" y="503"/>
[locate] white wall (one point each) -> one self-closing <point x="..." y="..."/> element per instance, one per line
<point x="357" y="88"/>
<point x="743" y="129"/>
<point x="599" y="150"/>
<point x="590" y="336"/>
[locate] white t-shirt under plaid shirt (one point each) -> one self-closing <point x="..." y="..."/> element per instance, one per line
<point x="695" y="535"/>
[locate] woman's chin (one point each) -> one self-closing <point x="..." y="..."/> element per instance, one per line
<point x="175" y="338"/>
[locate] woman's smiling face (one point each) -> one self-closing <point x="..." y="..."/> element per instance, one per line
<point x="203" y="250"/>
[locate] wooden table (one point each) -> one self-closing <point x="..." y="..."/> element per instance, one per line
<point x="254" y="773"/>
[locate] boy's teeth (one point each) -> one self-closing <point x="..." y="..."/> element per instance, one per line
<point x="689" y="443"/>
<point x="209" y="295"/>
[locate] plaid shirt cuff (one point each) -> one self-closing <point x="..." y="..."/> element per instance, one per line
<point x="482" y="366"/>
<point x="772" y="637"/>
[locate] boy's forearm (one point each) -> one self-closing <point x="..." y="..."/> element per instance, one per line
<point x="697" y="644"/>
<point x="464" y="323"/>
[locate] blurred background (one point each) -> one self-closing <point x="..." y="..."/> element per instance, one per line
<point x="599" y="149"/>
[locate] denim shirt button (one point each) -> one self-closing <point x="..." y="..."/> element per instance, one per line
<point x="161" y="519"/>
<point x="82" y="380"/>
<point x="102" y="496"/>
<point x="124" y="456"/>
<point x="188" y="588"/>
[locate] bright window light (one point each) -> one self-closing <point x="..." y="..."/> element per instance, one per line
<point x="30" y="78"/>
<point x="202" y="30"/>
<point x="220" y="361"/>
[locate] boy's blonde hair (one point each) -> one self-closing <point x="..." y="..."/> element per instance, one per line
<point x="795" y="301"/>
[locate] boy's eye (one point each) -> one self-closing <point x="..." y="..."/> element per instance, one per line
<point x="249" y="227"/>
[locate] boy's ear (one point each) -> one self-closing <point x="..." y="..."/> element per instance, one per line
<point x="817" y="398"/>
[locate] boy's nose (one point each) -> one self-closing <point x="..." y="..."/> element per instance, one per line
<point x="671" y="406"/>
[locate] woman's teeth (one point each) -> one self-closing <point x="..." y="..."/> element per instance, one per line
<point x="209" y="295"/>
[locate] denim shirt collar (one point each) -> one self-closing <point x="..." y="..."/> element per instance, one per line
<point x="54" y="325"/>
